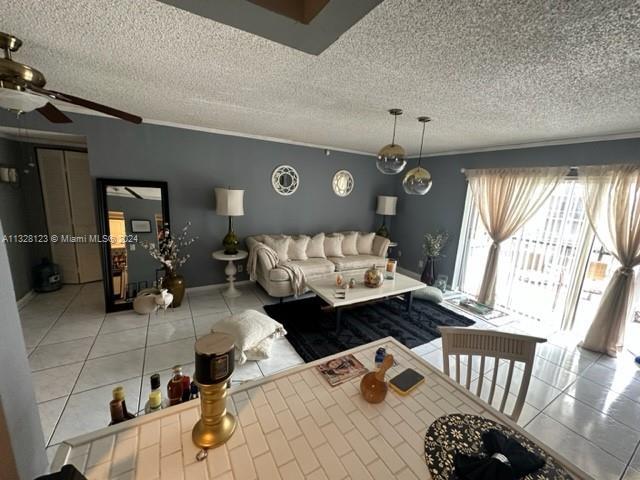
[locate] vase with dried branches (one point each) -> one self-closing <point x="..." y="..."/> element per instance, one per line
<point x="432" y="246"/>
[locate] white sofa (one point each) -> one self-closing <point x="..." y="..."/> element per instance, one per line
<point x="276" y="280"/>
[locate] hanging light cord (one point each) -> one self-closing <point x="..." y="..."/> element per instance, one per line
<point x="395" y="119"/>
<point x="424" y="124"/>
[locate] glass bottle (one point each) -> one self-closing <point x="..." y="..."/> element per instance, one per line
<point x="186" y="388"/>
<point x="194" y="391"/>
<point x="155" y="396"/>
<point x="118" y="394"/>
<point x="117" y="412"/>
<point x="174" y="387"/>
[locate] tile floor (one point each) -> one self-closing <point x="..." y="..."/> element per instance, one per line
<point x="584" y="405"/>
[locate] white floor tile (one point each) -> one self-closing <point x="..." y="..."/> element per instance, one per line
<point x="631" y="474"/>
<point x="608" y="434"/>
<point x="118" y="342"/>
<point x="89" y="411"/>
<point x="635" y="461"/>
<point x="55" y="382"/>
<point x="160" y="316"/>
<point x="621" y="381"/>
<point x="47" y="356"/>
<point x="72" y="329"/>
<point x="164" y="332"/>
<point x="116" y="322"/>
<point x="204" y="323"/>
<point x="50" y="413"/>
<point x="283" y="356"/>
<point x="164" y="356"/>
<point x="107" y="370"/>
<point x="590" y="458"/>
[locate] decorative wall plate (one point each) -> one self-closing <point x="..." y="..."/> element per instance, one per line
<point x="285" y="179"/>
<point x="342" y="183"/>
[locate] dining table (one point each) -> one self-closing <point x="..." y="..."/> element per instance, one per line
<point x="294" y="425"/>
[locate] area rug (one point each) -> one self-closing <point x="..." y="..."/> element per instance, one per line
<point x="312" y="331"/>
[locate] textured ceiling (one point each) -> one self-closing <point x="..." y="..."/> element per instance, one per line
<point x="490" y="73"/>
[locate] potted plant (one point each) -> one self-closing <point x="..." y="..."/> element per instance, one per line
<point x="168" y="253"/>
<point x="432" y="247"/>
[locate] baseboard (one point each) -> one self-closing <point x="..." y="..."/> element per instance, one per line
<point x="25" y="299"/>
<point x="216" y="286"/>
<point x="409" y="273"/>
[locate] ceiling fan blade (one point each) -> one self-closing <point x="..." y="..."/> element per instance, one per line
<point x="64" y="97"/>
<point x="51" y="113"/>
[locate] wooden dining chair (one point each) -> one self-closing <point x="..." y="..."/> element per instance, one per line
<point x="468" y="342"/>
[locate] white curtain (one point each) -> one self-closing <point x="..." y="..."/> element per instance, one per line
<point x="612" y="197"/>
<point x="506" y="199"/>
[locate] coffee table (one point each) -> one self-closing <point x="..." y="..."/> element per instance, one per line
<point x="325" y="286"/>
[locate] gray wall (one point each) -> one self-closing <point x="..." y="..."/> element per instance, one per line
<point x="193" y="163"/>
<point x="19" y="417"/>
<point x="443" y="207"/>
<point x="141" y="266"/>
<point x="22" y="212"/>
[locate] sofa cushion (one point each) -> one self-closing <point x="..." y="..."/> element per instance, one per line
<point x="298" y="247"/>
<point x="333" y="245"/>
<point x="315" y="248"/>
<point x="311" y="268"/>
<point x="349" y="243"/>
<point x="355" y="262"/>
<point x="365" y="243"/>
<point x="280" y="245"/>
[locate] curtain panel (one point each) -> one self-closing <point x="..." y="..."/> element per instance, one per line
<point x="612" y="197"/>
<point x="506" y="199"/>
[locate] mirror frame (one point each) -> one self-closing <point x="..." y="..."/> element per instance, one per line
<point x="103" y="225"/>
<point x="279" y="172"/>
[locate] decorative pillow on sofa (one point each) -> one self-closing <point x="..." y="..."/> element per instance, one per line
<point x="349" y="243"/>
<point x="315" y="248"/>
<point x="280" y="245"/>
<point x="365" y="243"/>
<point x="333" y="245"/>
<point x="250" y="329"/>
<point x="298" y="247"/>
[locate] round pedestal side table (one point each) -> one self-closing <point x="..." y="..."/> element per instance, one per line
<point x="230" y="270"/>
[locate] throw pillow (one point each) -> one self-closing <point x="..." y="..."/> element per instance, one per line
<point x="349" y="243"/>
<point x="432" y="294"/>
<point x="280" y="245"/>
<point x="333" y="245"/>
<point x="365" y="243"/>
<point x="315" y="248"/>
<point x="298" y="247"/>
<point x="248" y="329"/>
<point x="261" y="351"/>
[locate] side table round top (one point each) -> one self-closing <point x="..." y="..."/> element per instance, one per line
<point x="220" y="255"/>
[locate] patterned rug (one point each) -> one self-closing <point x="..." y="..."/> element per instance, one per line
<point x="312" y="333"/>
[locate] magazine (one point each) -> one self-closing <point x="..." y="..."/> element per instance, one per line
<point x="341" y="369"/>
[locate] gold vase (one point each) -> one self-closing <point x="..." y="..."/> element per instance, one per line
<point x="373" y="277"/>
<point x="174" y="282"/>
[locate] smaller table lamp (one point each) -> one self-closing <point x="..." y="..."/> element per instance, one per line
<point x="230" y="203"/>
<point x="386" y="206"/>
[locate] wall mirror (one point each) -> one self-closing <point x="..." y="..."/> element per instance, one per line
<point x="342" y="183"/>
<point x="130" y="211"/>
<point x="285" y="180"/>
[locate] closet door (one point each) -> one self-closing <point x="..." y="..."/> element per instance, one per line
<point x="83" y="214"/>
<point x="57" y="207"/>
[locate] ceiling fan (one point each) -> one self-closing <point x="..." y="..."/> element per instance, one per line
<point x="22" y="89"/>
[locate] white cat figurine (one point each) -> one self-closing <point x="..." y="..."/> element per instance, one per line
<point x="164" y="299"/>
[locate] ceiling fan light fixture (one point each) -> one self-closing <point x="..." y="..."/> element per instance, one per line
<point x="391" y="158"/>
<point x="418" y="180"/>
<point x="19" y="101"/>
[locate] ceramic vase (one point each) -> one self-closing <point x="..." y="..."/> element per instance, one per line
<point x="174" y="283"/>
<point x="429" y="272"/>
<point x="373" y="277"/>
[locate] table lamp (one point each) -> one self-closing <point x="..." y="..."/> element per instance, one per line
<point x="230" y="203"/>
<point x="386" y="206"/>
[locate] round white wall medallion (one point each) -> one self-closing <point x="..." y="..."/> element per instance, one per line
<point x="342" y="183"/>
<point x="285" y="179"/>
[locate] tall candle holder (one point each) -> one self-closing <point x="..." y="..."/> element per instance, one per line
<point x="214" y="366"/>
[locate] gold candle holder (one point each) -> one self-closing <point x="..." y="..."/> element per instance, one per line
<point x="214" y="366"/>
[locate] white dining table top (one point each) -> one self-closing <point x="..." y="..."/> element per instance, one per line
<point x="292" y="425"/>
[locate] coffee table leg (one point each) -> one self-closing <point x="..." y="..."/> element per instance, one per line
<point x="338" y="319"/>
<point x="408" y="298"/>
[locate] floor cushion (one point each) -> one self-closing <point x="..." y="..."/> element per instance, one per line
<point x="432" y="294"/>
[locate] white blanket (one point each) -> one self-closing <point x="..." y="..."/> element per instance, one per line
<point x="296" y="274"/>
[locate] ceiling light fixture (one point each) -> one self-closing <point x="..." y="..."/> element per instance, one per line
<point x="391" y="159"/>
<point x="418" y="181"/>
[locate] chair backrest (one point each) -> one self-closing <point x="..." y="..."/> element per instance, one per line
<point x="464" y="341"/>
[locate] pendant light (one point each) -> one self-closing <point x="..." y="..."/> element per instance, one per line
<point x="417" y="181"/>
<point x="391" y="159"/>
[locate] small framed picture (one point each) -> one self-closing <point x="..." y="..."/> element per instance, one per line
<point x="140" y="226"/>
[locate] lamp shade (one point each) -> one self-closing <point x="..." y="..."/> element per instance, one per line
<point x="229" y="202"/>
<point x="386" y="205"/>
